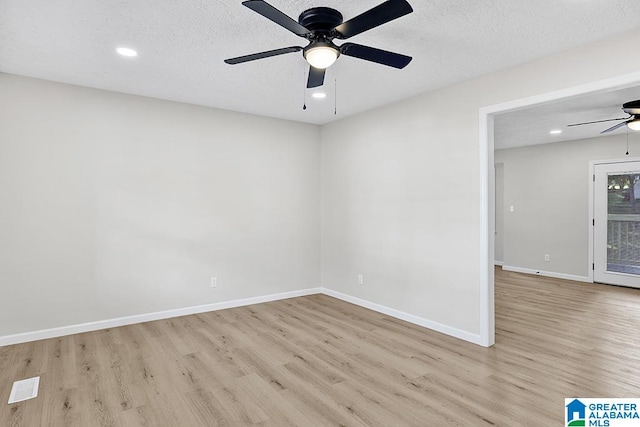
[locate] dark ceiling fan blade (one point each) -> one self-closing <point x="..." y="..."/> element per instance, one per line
<point x="260" y="55"/>
<point x="598" y="121"/>
<point x="381" y="14"/>
<point x="612" y="128"/>
<point x="316" y="77"/>
<point x="270" y="12"/>
<point x="372" y="54"/>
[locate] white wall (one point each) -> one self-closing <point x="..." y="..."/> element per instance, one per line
<point x="549" y="187"/>
<point x="401" y="187"/>
<point x="498" y="256"/>
<point x="114" y="205"/>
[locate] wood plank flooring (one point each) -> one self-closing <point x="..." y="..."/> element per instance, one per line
<point x="316" y="361"/>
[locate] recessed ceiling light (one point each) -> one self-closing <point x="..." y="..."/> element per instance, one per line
<point x="128" y="52"/>
<point x="555" y="132"/>
<point x="319" y="95"/>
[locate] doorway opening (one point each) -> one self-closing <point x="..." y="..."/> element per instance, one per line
<point x="487" y="182"/>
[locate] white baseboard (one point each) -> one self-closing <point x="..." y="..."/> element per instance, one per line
<point x="547" y="273"/>
<point x="498" y="263"/>
<point x="148" y="317"/>
<point x="430" y="324"/>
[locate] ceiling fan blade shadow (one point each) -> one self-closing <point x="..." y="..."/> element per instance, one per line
<point x="260" y="55"/>
<point x="373" y="54"/>
<point x="598" y="121"/>
<point x="612" y="128"/>
<point x="381" y="14"/>
<point x="316" y="77"/>
<point x="270" y="12"/>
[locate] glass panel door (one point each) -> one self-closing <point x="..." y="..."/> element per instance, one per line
<point x="617" y="224"/>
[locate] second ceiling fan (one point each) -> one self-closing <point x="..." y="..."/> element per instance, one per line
<point x="320" y="26"/>
<point x="632" y="108"/>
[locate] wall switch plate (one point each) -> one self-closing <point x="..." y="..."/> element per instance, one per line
<point x="512" y="208"/>
<point x="214" y="282"/>
<point x="546" y="257"/>
<point x="360" y="279"/>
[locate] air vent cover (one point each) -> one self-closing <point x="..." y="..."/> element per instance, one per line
<point x="24" y="390"/>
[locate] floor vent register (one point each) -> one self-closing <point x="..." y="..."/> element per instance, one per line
<point x="24" y="390"/>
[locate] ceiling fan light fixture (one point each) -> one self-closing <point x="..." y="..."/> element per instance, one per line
<point x="320" y="26"/>
<point x="634" y="124"/>
<point x="321" y="55"/>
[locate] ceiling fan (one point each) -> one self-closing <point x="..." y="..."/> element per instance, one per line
<point x="632" y="108"/>
<point x="320" y="26"/>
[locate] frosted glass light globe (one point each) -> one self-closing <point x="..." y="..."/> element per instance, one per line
<point x="634" y="124"/>
<point x="321" y="56"/>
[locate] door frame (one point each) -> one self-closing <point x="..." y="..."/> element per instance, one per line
<point x="487" y="185"/>
<point x="592" y="189"/>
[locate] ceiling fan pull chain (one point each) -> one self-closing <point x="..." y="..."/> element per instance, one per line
<point x="627" y="153"/>
<point x="304" y="90"/>
<point x="335" y="96"/>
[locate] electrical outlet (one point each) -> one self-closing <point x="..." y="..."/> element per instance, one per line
<point x="214" y="282"/>
<point x="546" y="257"/>
<point x="360" y="280"/>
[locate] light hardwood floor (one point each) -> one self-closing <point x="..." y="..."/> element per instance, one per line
<point x="320" y="361"/>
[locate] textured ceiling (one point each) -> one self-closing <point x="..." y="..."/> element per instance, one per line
<point x="182" y="45"/>
<point x="531" y="126"/>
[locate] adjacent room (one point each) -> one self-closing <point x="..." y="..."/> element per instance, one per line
<point x="547" y="162"/>
<point x="317" y="213"/>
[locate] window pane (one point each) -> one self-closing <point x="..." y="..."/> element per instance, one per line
<point x="623" y="223"/>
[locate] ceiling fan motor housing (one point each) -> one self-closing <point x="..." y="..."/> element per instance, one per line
<point x="632" y="107"/>
<point x="321" y="20"/>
